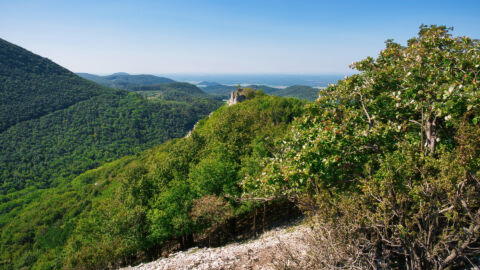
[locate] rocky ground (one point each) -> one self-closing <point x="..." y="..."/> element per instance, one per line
<point x="255" y="254"/>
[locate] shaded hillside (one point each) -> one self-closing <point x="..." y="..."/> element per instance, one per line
<point x="267" y="89"/>
<point x="96" y="78"/>
<point x="126" y="81"/>
<point x="32" y="86"/>
<point x="298" y="91"/>
<point x="173" y="91"/>
<point x="60" y="124"/>
<point x="151" y="86"/>
<point x="217" y="89"/>
<point x="66" y="142"/>
<point x="224" y="90"/>
<point x="138" y="206"/>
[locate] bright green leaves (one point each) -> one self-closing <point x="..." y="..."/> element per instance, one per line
<point x="184" y="186"/>
<point x="391" y="151"/>
<point x="169" y="214"/>
<point x="213" y="175"/>
<point x="416" y="94"/>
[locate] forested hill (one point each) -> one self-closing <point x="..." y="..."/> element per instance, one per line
<point x="161" y="87"/>
<point x="32" y="86"/>
<point x="298" y="91"/>
<point x="183" y="87"/>
<point x="135" y="207"/>
<point x="173" y="91"/>
<point x="214" y="88"/>
<point x="56" y="125"/>
<point x="126" y="81"/>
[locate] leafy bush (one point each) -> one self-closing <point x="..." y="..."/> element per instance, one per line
<point x="393" y="153"/>
<point x="210" y="211"/>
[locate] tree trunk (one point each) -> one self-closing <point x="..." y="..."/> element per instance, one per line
<point x="263" y="219"/>
<point x="233" y="227"/>
<point x="182" y="242"/>
<point x="431" y="133"/>
<point x="254" y="222"/>
<point x="188" y="241"/>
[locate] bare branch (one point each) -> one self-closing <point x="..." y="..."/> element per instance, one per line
<point x="418" y="123"/>
<point x="366" y="112"/>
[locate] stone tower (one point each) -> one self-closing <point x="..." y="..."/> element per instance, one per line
<point x="236" y="97"/>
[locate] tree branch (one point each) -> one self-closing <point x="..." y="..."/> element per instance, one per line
<point x="366" y="112"/>
<point x="418" y="123"/>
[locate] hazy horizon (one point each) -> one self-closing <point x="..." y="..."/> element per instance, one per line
<point x="274" y="80"/>
<point x="212" y="36"/>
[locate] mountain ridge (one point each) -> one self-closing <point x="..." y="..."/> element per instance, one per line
<point x="23" y="101"/>
<point x="122" y="80"/>
<point x="298" y="91"/>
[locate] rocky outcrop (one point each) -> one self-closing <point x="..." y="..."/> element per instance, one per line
<point x="195" y="126"/>
<point x="255" y="254"/>
<point x="236" y="97"/>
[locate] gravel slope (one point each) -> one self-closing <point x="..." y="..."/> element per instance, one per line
<point x="254" y="254"/>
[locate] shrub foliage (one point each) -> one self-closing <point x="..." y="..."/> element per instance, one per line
<point x="393" y="152"/>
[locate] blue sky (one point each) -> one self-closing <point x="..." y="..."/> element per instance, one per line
<point x="209" y="36"/>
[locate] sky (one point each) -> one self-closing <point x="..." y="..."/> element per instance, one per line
<point x="222" y="37"/>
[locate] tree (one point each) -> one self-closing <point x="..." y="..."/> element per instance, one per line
<point x="430" y="82"/>
<point x="389" y="158"/>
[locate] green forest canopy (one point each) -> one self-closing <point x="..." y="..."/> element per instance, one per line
<point x="132" y="206"/>
<point x="125" y="81"/>
<point x="389" y="159"/>
<point x="55" y="125"/>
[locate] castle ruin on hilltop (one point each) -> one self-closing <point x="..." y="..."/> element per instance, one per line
<point x="236" y="97"/>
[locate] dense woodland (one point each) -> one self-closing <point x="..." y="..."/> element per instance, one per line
<point x="163" y="87"/>
<point x="174" y="91"/>
<point x="125" y="81"/>
<point x="57" y="125"/>
<point x="33" y="86"/>
<point x="385" y="163"/>
<point x="46" y="150"/>
<point x="298" y="91"/>
<point x="114" y="214"/>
